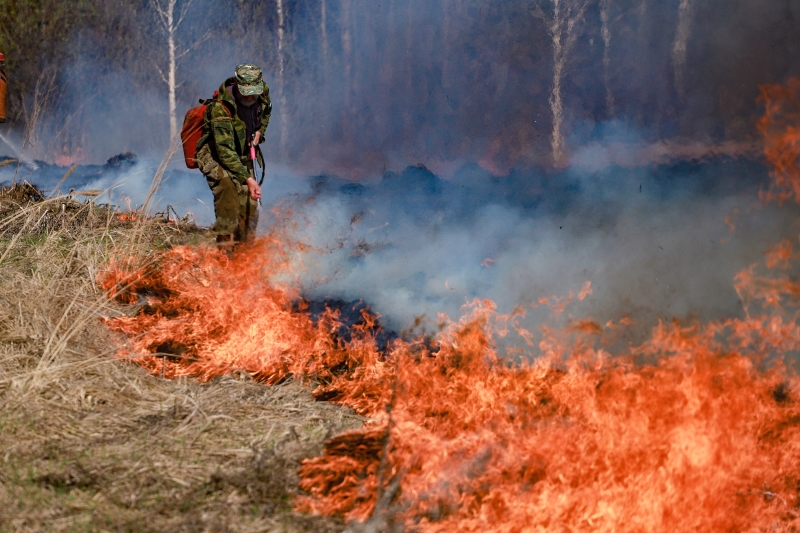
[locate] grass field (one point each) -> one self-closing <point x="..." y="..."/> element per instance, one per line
<point x="92" y="443"/>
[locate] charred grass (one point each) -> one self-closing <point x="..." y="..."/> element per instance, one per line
<point x="92" y="443"/>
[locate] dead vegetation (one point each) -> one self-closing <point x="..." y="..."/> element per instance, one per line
<point x="91" y="443"/>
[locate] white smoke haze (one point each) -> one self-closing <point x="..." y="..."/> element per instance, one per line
<point x="652" y="239"/>
<point x="653" y="247"/>
<point x="126" y="183"/>
<point x="656" y="242"/>
<point x="650" y="234"/>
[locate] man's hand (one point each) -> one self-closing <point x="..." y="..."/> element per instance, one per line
<point x="256" y="138"/>
<point x="254" y="188"/>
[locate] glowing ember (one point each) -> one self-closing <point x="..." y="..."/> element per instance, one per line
<point x="703" y="439"/>
<point x="127" y="217"/>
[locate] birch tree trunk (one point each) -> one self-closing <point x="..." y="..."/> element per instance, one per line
<point x="563" y="27"/>
<point x="409" y="74"/>
<point x="172" y="70"/>
<point x="282" y="78"/>
<point x="323" y="30"/>
<point x="347" y="54"/>
<point x="389" y="47"/>
<point x="447" y="38"/>
<point x="324" y="113"/>
<point x="556" y="102"/>
<point x="606" y="33"/>
<point x="171" y="16"/>
<point x="679" y="47"/>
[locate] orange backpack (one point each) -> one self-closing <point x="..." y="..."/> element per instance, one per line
<point x="192" y="130"/>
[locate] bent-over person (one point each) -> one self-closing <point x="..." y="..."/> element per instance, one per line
<point x="236" y="119"/>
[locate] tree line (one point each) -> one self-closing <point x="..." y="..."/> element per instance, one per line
<point x="369" y="84"/>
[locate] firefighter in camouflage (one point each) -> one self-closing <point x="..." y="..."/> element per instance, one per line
<point x="235" y="120"/>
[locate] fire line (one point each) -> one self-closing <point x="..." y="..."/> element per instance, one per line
<point x="702" y="436"/>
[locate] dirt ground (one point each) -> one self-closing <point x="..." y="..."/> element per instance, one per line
<point x="92" y="443"/>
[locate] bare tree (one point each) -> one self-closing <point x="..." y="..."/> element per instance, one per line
<point x="446" y="41"/>
<point x="681" y="40"/>
<point x="606" y="33"/>
<point x="170" y="16"/>
<point x="281" y="8"/>
<point x="409" y="70"/>
<point x="323" y="29"/>
<point x="345" y="24"/>
<point x="563" y="26"/>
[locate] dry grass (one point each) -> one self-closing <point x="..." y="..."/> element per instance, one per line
<point x="90" y="443"/>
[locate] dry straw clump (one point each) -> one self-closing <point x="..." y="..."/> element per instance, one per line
<point x="91" y="443"/>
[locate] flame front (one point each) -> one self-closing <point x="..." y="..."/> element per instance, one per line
<point x="697" y="429"/>
<point x="205" y="314"/>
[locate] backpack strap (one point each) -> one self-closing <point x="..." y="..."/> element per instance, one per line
<point x="263" y="164"/>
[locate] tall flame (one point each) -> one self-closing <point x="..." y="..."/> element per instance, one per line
<point x="696" y="429"/>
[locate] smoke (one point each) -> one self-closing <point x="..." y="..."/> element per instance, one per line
<point x="368" y="87"/>
<point x="366" y="95"/>
<point x="18" y="152"/>
<point x="655" y="242"/>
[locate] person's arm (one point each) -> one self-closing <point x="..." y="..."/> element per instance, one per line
<point x="224" y="141"/>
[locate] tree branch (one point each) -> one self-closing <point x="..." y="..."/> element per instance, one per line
<point x="162" y="14"/>
<point x="184" y="11"/>
<point x="197" y="43"/>
<point x="161" y="73"/>
<point x="571" y="34"/>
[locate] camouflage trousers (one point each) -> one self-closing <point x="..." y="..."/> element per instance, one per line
<point x="236" y="212"/>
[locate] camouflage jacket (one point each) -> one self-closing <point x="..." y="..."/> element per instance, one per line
<point x="226" y="134"/>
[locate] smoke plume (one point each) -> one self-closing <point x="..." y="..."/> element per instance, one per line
<point x="434" y="171"/>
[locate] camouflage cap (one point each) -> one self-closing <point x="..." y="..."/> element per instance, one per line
<point x="249" y="80"/>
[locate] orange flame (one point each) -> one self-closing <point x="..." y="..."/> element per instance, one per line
<point x="128" y="216"/>
<point x="696" y="429"/>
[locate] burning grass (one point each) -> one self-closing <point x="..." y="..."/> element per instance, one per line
<point x="703" y="437"/>
<point x="460" y="440"/>
<point x="91" y="443"/>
